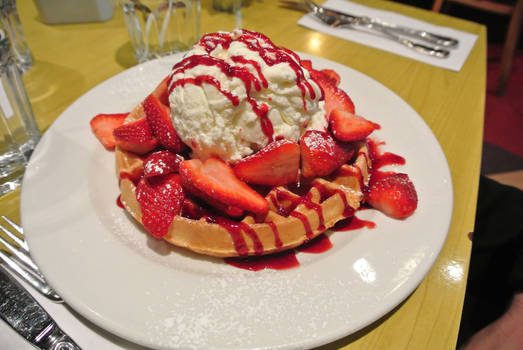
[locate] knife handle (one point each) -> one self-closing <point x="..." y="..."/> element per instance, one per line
<point x="53" y="338"/>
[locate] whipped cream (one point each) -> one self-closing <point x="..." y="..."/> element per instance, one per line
<point x="233" y="93"/>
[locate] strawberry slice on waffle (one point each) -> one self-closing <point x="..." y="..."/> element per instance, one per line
<point x="135" y="137"/>
<point x="214" y="180"/>
<point x="103" y="126"/>
<point x="162" y="163"/>
<point x="346" y="126"/>
<point x="161" y="199"/>
<point x="393" y="195"/>
<point x="321" y="154"/>
<point x="276" y="164"/>
<point x="158" y="116"/>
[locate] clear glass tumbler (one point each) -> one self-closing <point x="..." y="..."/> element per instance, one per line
<point x="161" y="27"/>
<point x="19" y="131"/>
<point x="10" y="24"/>
<point x="233" y="7"/>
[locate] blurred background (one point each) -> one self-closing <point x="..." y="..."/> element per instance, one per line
<point x="503" y="130"/>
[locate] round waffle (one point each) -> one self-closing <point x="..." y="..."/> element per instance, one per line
<point x="294" y="217"/>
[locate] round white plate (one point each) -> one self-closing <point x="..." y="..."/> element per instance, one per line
<point x="113" y="273"/>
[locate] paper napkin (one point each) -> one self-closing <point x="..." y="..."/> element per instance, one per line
<point x="454" y="61"/>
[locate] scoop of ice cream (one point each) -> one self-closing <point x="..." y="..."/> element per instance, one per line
<point x="233" y="93"/>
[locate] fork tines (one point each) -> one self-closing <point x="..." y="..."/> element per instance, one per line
<point x="19" y="261"/>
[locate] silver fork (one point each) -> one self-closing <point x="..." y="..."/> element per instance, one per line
<point x="342" y="20"/>
<point x="19" y="262"/>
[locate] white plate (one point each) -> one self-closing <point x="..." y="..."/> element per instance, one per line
<point x="110" y="271"/>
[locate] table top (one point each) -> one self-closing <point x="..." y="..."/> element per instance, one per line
<point x="70" y="59"/>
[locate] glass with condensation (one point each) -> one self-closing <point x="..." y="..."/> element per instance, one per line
<point x="19" y="132"/>
<point x="159" y="28"/>
<point x="11" y="26"/>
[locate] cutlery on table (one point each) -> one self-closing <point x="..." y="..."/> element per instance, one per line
<point x="393" y="32"/>
<point x="19" y="262"/>
<point x="28" y="318"/>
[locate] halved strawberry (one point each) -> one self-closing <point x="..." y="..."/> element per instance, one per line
<point x="321" y="154"/>
<point x="159" y="117"/>
<point x="394" y="196"/>
<point x="161" y="199"/>
<point x="161" y="92"/>
<point x="215" y="180"/>
<point x="345" y="126"/>
<point x="275" y="164"/>
<point x="161" y="163"/>
<point x="103" y="126"/>
<point x="332" y="75"/>
<point x="335" y="98"/>
<point x="135" y="137"/>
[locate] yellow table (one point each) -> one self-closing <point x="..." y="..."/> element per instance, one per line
<point x="70" y="59"/>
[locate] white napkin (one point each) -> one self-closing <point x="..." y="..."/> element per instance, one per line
<point x="84" y="333"/>
<point x="454" y="61"/>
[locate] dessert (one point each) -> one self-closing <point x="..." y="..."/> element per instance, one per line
<point x="245" y="149"/>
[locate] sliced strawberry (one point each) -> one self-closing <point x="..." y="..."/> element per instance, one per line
<point x="159" y="117"/>
<point x="161" y="92"/>
<point x="192" y="210"/>
<point x="160" y="199"/>
<point x="103" y="126"/>
<point x="215" y="180"/>
<point x="233" y="212"/>
<point x="275" y="164"/>
<point x="161" y="163"/>
<point x="332" y="75"/>
<point x="394" y="196"/>
<point x="335" y="98"/>
<point x="135" y="137"/>
<point x="307" y="64"/>
<point x="321" y="154"/>
<point x="346" y="126"/>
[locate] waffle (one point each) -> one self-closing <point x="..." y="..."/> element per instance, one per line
<point x="293" y="218"/>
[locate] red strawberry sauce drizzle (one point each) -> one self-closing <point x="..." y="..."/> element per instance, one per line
<point x="380" y="160"/>
<point x="119" y="202"/>
<point x="235" y="230"/>
<point x="278" y="261"/>
<point x="281" y="260"/>
<point x="352" y="223"/>
<point x="277" y="241"/>
<point x="320" y="244"/>
<point x="271" y="55"/>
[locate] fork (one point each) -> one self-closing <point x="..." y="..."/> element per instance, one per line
<point x="19" y="262"/>
<point x="341" y="20"/>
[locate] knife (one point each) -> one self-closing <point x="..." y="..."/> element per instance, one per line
<point x="22" y="312"/>
<point x="415" y="33"/>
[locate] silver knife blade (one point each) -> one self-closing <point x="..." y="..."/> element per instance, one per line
<point x="28" y="318"/>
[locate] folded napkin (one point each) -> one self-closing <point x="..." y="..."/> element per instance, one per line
<point x="454" y="61"/>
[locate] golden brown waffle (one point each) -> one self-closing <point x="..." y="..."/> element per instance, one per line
<point x="292" y="220"/>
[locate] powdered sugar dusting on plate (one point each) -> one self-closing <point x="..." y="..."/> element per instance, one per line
<point x="234" y="305"/>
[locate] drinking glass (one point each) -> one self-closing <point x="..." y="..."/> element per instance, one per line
<point x="10" y="24"/>
<point x="233" y="7"/>
<point x="19" y="132"/>
<point x="161" y="27"/>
